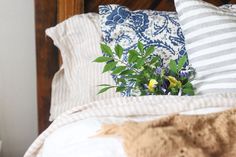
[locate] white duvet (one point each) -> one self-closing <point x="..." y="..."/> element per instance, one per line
<point x="76" y="140"/>
<point x="71" y="135"/>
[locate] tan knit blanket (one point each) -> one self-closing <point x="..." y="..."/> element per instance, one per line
<point x="212" y="135"/>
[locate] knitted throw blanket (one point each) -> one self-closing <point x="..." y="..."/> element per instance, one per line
<point x="212" y="135"/>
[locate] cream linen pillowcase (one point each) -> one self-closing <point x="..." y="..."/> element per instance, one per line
<point x="76" y="83"/>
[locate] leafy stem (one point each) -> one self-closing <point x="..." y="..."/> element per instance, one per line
<point x="126" y="64"/>
<point x="143" y="71"/>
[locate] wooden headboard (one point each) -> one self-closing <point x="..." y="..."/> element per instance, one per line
<point x="48" y="13"/>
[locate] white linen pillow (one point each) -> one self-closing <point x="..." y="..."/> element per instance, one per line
<point x="76" y="83"/>
<point x="210" y="35"/>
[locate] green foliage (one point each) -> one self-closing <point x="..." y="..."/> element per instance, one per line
<point x="107" y="50"/>
<point x="149" y="51"/>
<point x="173" y="66"/>
<point x="142" y="66"/>
<point x="141" y="47"/>
<point x="120" y="89"/>
<point x="133" y="56"/>
<point x="118" y="69"/>
<point x="119" y="51"/>
<point x="181" y="63"/>
<point x="105" y="89"/>
<point x="103" y="59"/>
<point x="109" y="66"/>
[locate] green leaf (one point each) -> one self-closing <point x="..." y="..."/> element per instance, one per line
<point x="188" y="88"/>
<point x="132" y="76"/>
<point x="149" y="51"/>
<point x="106" y="49"/>
<point x="109" y="66"/>
<point x="154" y="60"/>
<point x="132" y="59"/>
<point x="119" y="51"/>
<point x="188" y="85"/>
<point x="182" y="61"/>
<point x="140" y="46"/>
<point x="133" y="52"/>
<point x="127" y="72"/>
<point x="104" y="85"/>
<point x="103" y="59"/>
<point x="188" y="91"/>
<point x="174" y="91"/>
<point x="173" y="66"/>
<point x="140" y="62"/>
<point x="105" y="89"/>
<point x="133" y="56"/>
<point x="121" y="80"/>
<point x="120" y="89"/>
<point x="146" y="73"/>
<point x="118" y="69"/>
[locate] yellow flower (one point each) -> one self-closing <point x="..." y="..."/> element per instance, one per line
<point x="152" y="85"/>
<point x="173" y="82"/>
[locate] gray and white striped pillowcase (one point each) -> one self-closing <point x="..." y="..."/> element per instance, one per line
<point x="210" y="35"/>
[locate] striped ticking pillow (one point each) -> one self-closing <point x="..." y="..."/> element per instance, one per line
<point x="210" y="35"/>
<point x="76" y="83"/>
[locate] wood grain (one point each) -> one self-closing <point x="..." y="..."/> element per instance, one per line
<point x="165" y="5"/>
<point x="48" y="13"/>
<point x="68" y="8"/>
<point x="47" y="62"/>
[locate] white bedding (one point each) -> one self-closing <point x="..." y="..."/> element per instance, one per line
<point x="75" y="140"/>
<point x="71" y="134"/>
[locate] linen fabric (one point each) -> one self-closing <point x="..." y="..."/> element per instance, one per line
<point x="210" y="35"/>
<point x="76" y="83"/>
<point x="131" y="108"/>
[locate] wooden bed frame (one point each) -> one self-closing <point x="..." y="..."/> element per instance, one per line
<point x="48" y="13"/>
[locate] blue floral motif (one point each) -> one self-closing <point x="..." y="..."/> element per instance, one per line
<point x="159" y="28"/>
<point x="140" y="21"/>
<point x="117" y="16"/>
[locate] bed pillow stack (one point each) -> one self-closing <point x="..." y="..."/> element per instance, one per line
<point x="210" y="34"/>
<point x="78" y="39"/>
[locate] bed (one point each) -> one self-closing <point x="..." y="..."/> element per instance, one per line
<point x="49" y="13"/>
<point x="48" y="58"/>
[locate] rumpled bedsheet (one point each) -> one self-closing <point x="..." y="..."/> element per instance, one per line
<point x="132" y="107"/>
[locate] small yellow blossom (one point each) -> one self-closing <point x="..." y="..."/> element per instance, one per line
<point x="173" y="82"/>
<point x="152" y="85"/>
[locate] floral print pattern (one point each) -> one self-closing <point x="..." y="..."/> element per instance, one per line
<point x="161" y="29"/>
<point x="117" y="16"/>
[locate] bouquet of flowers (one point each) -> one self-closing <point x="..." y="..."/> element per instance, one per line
<point x="143" y="72"/>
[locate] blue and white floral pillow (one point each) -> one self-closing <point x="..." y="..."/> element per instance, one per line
<point x="159" y="28"/>
<point x="121" y="26"/>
